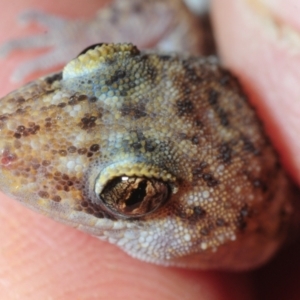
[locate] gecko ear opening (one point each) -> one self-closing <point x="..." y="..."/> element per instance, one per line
<point x="134" y="196"/>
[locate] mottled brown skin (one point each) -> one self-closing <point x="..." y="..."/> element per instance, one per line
<point x="180" y="124"/>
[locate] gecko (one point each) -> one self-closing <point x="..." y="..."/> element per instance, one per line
<point x="157" y="152"/>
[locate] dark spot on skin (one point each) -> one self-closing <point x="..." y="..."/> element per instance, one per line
<point x="204" y="231"/>
<point x="210" y="180"/>
<point x="92" y="209"/>
<point x="226" y="77"/>
<point x="220" y="222"/>
<point x="11" y="100"/>
<point x="43" y="194"/>
<point x="21" y="128"/>
<point x="82" y="151"/>
<point x="131" y="84"/>
<point x="150" y="146"/>
<point x="20" y="111"/>
<point x="57" y="174"/>
<point x="20" y="100"/>
<point x="184" y="107"/>
<point x="93" y="99"/>
<point x="26" y="131"/>
<point x="56" y="198"/>
<point x="35" y="165"/>
<point x="198" y="171"/>
<point x="111" y="60"/>
<point x="89" y="211"/>
<point x="65" y="177"/>
<point x="119" y="74"/>
<point x="72" y="149"/>
<point x="249" y="146"/>
<point x="199" y="212"/>
<point x="48" y="92"/>
<point x="243" y="214"/>
<point x="84" y="204"/>
<point x="17" y="135"/>
<point x="223" y="117"/>
<point x="58" y="187"/>
<point x="62" y="105"/>
<point x="94" y="148"/>
<point x="56" y="77"/>
<point x="213" y="96"/>
<point x="48" y="125"/>
<point x="198" y="123"/>
<point x="62" y="152"/>
<point x="152" y="72"/>
<point x="182" y="136"/>
<point x="46" y="163"/>
<point x="135" y="111"/>
<point x="82" y="98"/>
<point x="73" y="100"/>
<point x="186" y="91"/>
<point x="3" y="118"/>
<point x="134" y="52"/>
<point x="231" y="82"/>
<point x="190" y="73"/>
<point x="225" y="153"/>
<point x="88" y="122"/>
<point x="195" y="140"/>
<point x="123" y="93"/>
<point x="284" y="217"/>
<point x="90" y="154"/>
<point x="136" y="141"/>
<point x="136" y="145"/>
<point x="165" y="57"/>
<point x="140" y="135"/>
<point x="257" y="183"/>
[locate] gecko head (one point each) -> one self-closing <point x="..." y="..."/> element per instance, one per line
<point x="159" y="154"/>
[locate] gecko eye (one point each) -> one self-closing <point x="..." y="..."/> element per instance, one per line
<point x="134" y="196"/>
<point x="89" y="48"/>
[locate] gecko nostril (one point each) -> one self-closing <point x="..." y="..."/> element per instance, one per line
<point x="134" y="196"/>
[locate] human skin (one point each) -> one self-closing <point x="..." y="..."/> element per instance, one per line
<point x="42" y="259"/>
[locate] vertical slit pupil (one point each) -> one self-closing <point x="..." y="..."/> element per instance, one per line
<point x="137" y="195"/>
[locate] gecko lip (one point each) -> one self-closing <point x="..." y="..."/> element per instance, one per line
<point x="134" y="196"/>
